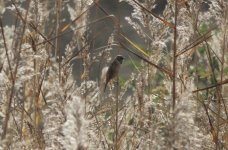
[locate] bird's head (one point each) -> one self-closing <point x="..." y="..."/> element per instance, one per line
<point x="119" y="58"/>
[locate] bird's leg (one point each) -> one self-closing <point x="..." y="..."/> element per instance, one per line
<point x="115" y="80"/>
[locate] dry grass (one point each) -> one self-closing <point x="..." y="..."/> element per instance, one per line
<point x="173" y="97"/>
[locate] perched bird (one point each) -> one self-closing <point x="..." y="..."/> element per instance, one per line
<point x="113" y="69"/>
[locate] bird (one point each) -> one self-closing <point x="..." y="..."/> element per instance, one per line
<point x="113" y="69"/>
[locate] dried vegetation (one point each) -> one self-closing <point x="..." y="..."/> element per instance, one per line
<point x="173" y="94"/>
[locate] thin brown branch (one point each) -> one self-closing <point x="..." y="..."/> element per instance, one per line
<point x="65" y="27"/>
<point x="66" y="32"/>
<point x="211" y="110"/>
<point x="224" y="48"/>
<point x="57" y="43"/>
<point x="166" y="71"/>
<point x="41" y="34"/>
<point x="33" y="27"/>
<point x="88" y="43"/>
<point x="99" y="128"/>
<point x="171" y="25"/>
<point x="7" y="116"/>
<point x="6" y="49"/>
<point x="117" y="117"/>
<point x="174" y="56"/>
<point x="192" y="46"/>
<point x="198" y="41"/>
<point x="212" y="86"/>
<point x="209" y="120"/>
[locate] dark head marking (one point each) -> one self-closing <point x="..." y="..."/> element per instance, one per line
<point x="119" y="58"/>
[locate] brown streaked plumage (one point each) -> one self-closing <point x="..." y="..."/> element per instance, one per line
<point x="113" y="69"/>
